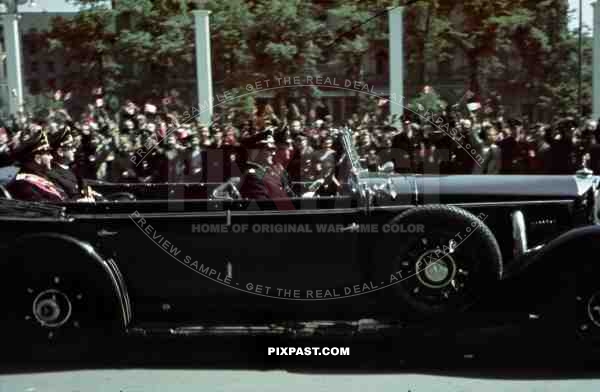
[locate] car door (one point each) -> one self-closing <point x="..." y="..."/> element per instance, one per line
<point x="234" y="261"/>
<point x="293" y="259"/>
<point x="170" y="265"/>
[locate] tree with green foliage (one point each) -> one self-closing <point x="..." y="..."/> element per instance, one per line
<point x="512" y="45"/>
<point x="137" y="48"/>
<point x="265" y="40"/>
<point x="358" y="25"/>
<point x="142" y="48"/>
<point x="85" y="41"/>
<point x="428" y="101"/>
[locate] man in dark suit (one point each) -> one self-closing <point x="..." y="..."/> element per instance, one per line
<point x="260" y="181"/>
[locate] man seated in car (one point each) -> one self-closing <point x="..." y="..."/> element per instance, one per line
<point x="32" y="183"/>
<point x="63" y="153"/>
<point x="63" y="174"/>
<point x="260" y="181"/>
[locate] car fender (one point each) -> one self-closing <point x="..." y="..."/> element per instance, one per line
<point x="74" y="250"/>
<point x="581" y="236"/>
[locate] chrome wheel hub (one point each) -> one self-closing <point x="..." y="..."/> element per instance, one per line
<point x="52" y="308"/>
<point x="435" y="270"/>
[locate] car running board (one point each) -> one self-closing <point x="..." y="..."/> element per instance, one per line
<point x="362" y="327"/>
<point x="290" y="329"/>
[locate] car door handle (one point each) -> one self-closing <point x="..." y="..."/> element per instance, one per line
<point x="352" y="228"/>
<point x="107" y="233"/>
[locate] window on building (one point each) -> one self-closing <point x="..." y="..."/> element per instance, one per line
<point x="51" y="84"/>
<point x="34" y="86"/>
<point x="381" y="63"/>
<point x="32" y="44"/>
<point x="445" y="68"/>
<point x="34" y="66"/>
<point x="50" y="66"/>
<point x="124" y="21"/>
<point x="352" y="106"/>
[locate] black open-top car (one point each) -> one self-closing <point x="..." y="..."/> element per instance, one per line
<point x="187" y="259"/>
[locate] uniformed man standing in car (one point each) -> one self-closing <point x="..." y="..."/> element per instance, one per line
<point x="260" y="181"/>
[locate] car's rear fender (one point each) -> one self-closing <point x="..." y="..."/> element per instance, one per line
<point x="66" y="253"/>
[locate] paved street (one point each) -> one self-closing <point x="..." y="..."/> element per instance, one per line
<point x="148" y="380"/>
<point x="235" y="364"/>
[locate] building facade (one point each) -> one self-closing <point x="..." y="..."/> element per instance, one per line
<point x="42" y="71"/>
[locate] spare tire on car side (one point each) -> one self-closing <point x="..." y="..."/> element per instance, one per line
<point x="442" y="268"/>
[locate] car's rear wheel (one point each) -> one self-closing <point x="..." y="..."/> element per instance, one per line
<point x="56" y="306"/>
<point x="443" y="267"/>
<point x="55" y="314"/>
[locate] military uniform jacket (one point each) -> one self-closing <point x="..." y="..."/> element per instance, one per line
<point x="264" y="183"/>
<point x="33" y="187"/>
<point x="122" y="169"/>
<point x="66" y="179"/>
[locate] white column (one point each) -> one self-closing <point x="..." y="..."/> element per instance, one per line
<point x="396" y="60"/>
<point x="12" y="44"/>
<point x="203" y="65"/>
<point x="596" y="64"/>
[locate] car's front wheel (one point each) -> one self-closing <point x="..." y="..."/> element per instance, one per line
<point x="445" y="265"/>
<point x="587" y="305"/>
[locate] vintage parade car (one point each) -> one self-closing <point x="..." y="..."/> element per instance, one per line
<point x="387" y="247"/>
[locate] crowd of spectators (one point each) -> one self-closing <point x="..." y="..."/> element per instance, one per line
<point x="151" y="143"/>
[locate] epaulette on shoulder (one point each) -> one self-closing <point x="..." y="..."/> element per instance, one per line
<point x="28" y="177"/>
<point x="34" y="179"/>
<point x="258" y="172"/>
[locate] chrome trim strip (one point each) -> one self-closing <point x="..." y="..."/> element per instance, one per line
<point x="511" y="203"/>
<point x="483" y="204"/>
<point x="125" y="295"/>
<point x="299" y="212"/>
<point x="519" y="233"/>
<point x="198" y="214"/>
<point x="393" y="208"/>
<point x="416" y="186"/>
<point x="224" y="213"/>
<point x="12" y="218"/>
